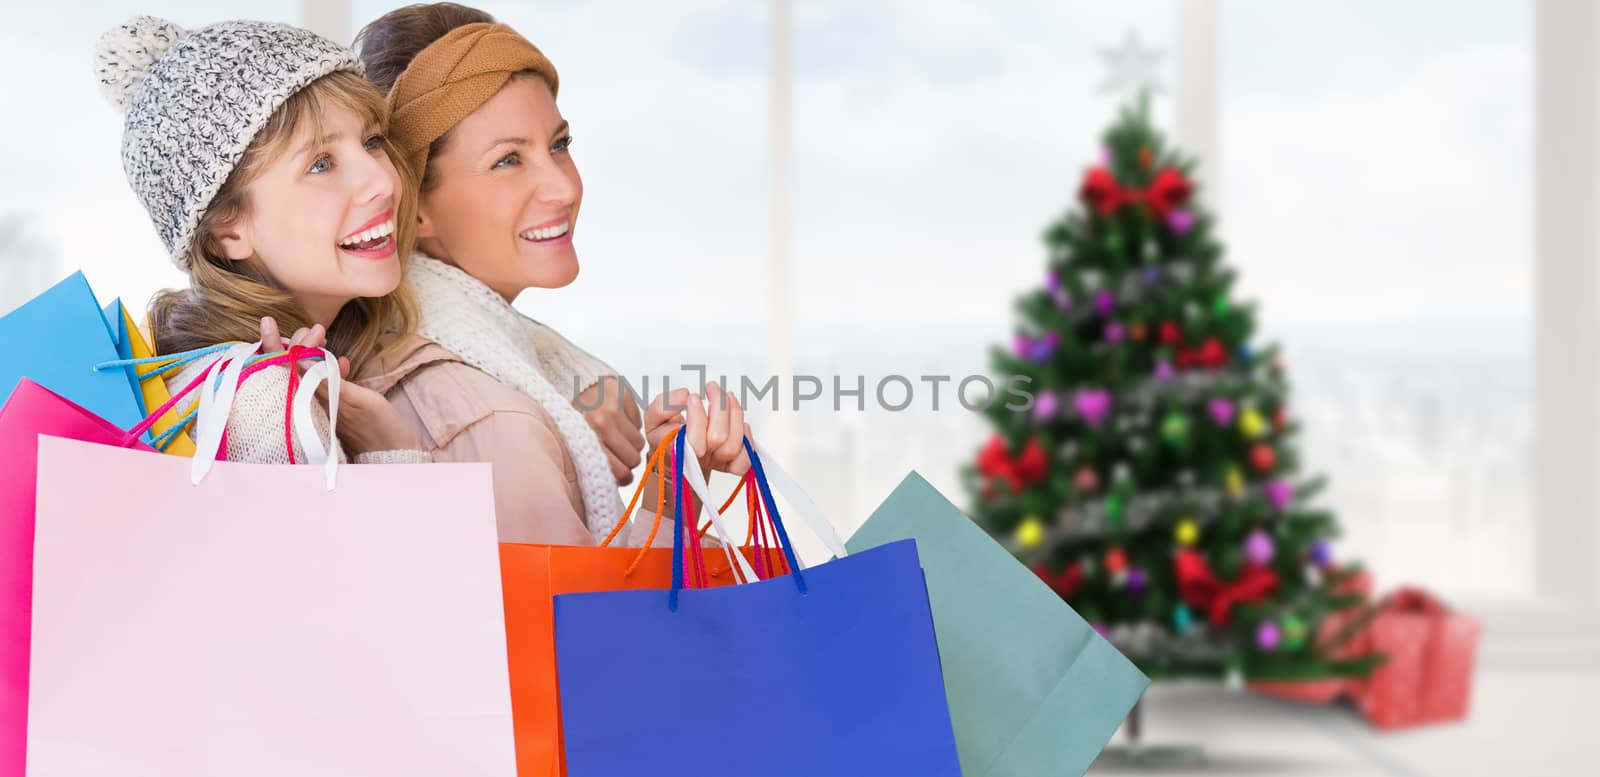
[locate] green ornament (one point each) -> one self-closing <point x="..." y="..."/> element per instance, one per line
<point x="1220" y="307"/>
<point x="1113" y="242"/>
<point x="1175" y="427"/>
<point x="1294" y="632"/>
<point x="1114" y="509"/>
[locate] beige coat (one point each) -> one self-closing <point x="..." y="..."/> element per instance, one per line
<point x="461" y="413"/>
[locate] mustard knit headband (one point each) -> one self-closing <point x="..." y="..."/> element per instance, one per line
<point x="451" y="78"/>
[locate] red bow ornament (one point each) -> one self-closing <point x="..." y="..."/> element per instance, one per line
<point x="1169" y="190"/>
<point x="1211" y="354"/>
<point x="996" y="463"/>
<point x="1066" y="582"/>
<point x="1200" y="588"/>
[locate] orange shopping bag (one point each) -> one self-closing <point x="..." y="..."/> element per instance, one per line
<point x="532" y="574"/>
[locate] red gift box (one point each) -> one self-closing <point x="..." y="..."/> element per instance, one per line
<point x="1430" y="651"/>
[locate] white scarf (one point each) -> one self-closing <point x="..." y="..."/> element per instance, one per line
<point x="470" y="320"/>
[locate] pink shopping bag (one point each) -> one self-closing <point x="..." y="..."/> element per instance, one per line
<point x="31" y="411"/>
<point x="261" y="623"/>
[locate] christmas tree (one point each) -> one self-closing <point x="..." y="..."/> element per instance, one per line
<point x="1153" y="480"/>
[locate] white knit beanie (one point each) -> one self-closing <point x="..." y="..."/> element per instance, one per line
<point x="195" y="99"/>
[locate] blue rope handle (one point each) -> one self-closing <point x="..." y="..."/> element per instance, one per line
<point x="766" y="498"/>
<point x="677" y="522"/>
<point x="177" y="360"/>
<point x="164" y="440"/>
<point x="772" y="512"/>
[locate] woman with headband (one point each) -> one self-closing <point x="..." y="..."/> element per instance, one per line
<point x="473" y="106"/>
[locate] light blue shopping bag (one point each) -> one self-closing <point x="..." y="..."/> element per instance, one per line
<point x="57" y="339"/>
<point x="1032" y="688"/>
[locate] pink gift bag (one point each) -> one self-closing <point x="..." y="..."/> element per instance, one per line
<point x="31" y="411"/>
<point x="265" y="621"/>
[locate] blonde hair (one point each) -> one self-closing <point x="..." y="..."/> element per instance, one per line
<point x="226" y="299"/>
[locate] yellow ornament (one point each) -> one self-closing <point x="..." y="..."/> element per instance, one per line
<point x="1235" y="483"/>
<point x="1251" y="424"/>
<point x="1031" y="532"/>
<point x="1188" y="533"/>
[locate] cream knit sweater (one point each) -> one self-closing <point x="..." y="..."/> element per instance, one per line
<point x="256" y="421"/>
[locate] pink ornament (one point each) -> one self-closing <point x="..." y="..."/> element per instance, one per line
<point x="1114" y="332"/>
<point x="1258" y="547"/>
<point x="1268" y="637"/>
<point x="1046" y="405"/>
<point x="1052" y="281"/>
<point x="1062" y="298"/>
<point x="1279" y="494"/>
<point x="1093" y="405"/>
<point x="1023" y="345"/>
<point x="1180" y="221"/>
<point x="1163" y="371"/>
<point x="1221" y="411"/>
<point x="1104" y="302"/>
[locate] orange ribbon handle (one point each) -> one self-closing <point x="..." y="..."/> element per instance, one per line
<point x="656" y="465"/>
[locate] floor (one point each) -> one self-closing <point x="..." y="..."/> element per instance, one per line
<point x="1528" y="721"/>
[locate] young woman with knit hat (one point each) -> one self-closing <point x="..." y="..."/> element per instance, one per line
<point x="259" y="151"/>
<point x="472" y="105"/>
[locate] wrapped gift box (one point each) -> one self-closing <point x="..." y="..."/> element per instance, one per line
<point x="1430" y="650"/>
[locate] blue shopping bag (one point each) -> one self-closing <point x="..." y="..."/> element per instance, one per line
<point x="56" y="340"/>
<point x="831" y="670"/>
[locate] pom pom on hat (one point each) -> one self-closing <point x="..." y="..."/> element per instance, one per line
<point x="124" y="54"/>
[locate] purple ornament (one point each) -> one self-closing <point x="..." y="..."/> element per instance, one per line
<point x="1221" y="411"/>
<point x="1181" y="221"/>
<point x="1052" y="281"/>
<point x="1093" y="405"/>
<point x="1321" y="553"/>
<point x="1023" y="345"/>
<point x="1279" y="494"/>
<point x="1104" y="303"/>
<point x="1152" y="275"/>
<point x="1267" y="636"/>
<point x="1062" y="298"/>
<point x="1046" y="406"/>
<point x="1105" y="155"/>
<point x="1114" y="332"/>
<point x="1163" y="371"/>
<point x="1136" y="581"/>
<point x="1258" y="547"/>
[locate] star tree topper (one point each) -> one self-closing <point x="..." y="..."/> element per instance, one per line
<point x="1132" y="68"/>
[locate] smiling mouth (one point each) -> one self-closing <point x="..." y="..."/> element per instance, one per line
<point x="373" y="239"/>
<point x="547" y="233"/>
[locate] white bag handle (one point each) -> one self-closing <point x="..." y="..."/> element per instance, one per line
<point x="216" y="402"/>
<point x="305" y="428"/>
<point x="777" y="480"/>
<point x="780" y="482"/>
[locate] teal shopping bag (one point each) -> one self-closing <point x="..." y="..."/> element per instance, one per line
<point x="1032" y="688"/>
